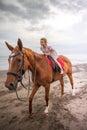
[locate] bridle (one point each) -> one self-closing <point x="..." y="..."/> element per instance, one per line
<point x="22" y="71"/>
<point x="19" y="76"/>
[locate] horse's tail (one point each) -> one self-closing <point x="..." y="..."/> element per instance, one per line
<point x="68" y="63"/>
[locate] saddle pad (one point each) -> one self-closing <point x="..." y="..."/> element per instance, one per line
<point x="59" y="60"/>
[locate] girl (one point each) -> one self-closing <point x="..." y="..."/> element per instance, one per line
<point x="48" y="50"/>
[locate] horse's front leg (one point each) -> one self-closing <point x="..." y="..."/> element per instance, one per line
<point x="47" y="89"/>
<point x="34" y="90"/>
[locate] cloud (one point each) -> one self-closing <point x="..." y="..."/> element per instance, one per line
<point x="30" y="10"/>
<point x="54" y="19"/>
<point x="7" y="11"/>
<point x="71" y="5"/>
<point x="36" y="9"/>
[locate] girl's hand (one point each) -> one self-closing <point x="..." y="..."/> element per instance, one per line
<point x="47" y="54"/>
<point x="44" y="54"/>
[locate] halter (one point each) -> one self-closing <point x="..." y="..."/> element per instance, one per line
<point x="18" y="75"/>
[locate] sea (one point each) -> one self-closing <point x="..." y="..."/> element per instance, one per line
<point x="77" y="53"/>
<point x="75" y="59"/>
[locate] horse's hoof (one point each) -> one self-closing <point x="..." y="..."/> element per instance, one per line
<point x="61" y="96"/>
<point x="73" y="92"/>
<point x="30" y="114"/>
<point x="46" y="110"/>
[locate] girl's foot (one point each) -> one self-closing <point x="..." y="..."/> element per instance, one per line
<point x="61" y="72"/>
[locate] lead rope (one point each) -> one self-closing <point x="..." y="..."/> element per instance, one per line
<point x="18" y="97"/>
<point x="25" y="88"/>
<point x="34" y="77"/>
<point x="28" y="85"/>
<point x="35" y="74"/>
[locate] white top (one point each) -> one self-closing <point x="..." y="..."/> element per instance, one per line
<point x="48" y="49"/>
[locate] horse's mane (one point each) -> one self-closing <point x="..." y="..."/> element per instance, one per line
<point x="28" y="49"/>
<point x="38" y="56"/>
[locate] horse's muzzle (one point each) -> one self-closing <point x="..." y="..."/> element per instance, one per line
<point x="10" y="86"/>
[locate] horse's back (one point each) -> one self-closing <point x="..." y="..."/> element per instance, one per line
<point x="67" y="63"/>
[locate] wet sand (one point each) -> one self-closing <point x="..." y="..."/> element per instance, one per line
<point x="68" y="113"/>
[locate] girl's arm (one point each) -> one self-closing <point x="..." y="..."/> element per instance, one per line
<point x="50" y="52"/>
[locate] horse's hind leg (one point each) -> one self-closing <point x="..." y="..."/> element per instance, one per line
<point x="72" y="83"/>
<point x="47" y="89"/>
<point x="62" y="86"/>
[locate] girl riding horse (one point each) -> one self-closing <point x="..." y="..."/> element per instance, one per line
<point x="48" y="50"/>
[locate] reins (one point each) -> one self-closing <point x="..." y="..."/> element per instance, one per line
<point x="18" y="75"/>
<point x="34" y="68"/>
<point x="22" y="72"/>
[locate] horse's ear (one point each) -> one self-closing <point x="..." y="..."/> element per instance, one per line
<point x="9" y="46"/>
<point x="20" y="45"/>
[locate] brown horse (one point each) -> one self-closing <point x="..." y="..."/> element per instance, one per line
<point x="22" y="59"/>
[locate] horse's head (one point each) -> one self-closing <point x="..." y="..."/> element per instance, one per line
<point x="16" y="65"/>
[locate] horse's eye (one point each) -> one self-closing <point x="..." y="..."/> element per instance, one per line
<point x="19" y="60"/>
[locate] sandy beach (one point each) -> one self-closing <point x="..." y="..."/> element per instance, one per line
<point x="68" y="113"/>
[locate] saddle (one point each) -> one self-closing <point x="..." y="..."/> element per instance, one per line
<point x="54" y="65"/>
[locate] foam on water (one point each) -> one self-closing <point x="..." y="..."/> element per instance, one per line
<point x="78" y="58"/>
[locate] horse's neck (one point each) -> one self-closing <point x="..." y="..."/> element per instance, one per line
<point x="40" y="60"/>
<point x="30" y="59"/>
<point x="35" y="60"/>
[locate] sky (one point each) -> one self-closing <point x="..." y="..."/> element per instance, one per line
<point x="62" y="22"/>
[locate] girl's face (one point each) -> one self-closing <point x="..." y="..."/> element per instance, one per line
<point x="42" y="43"/>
